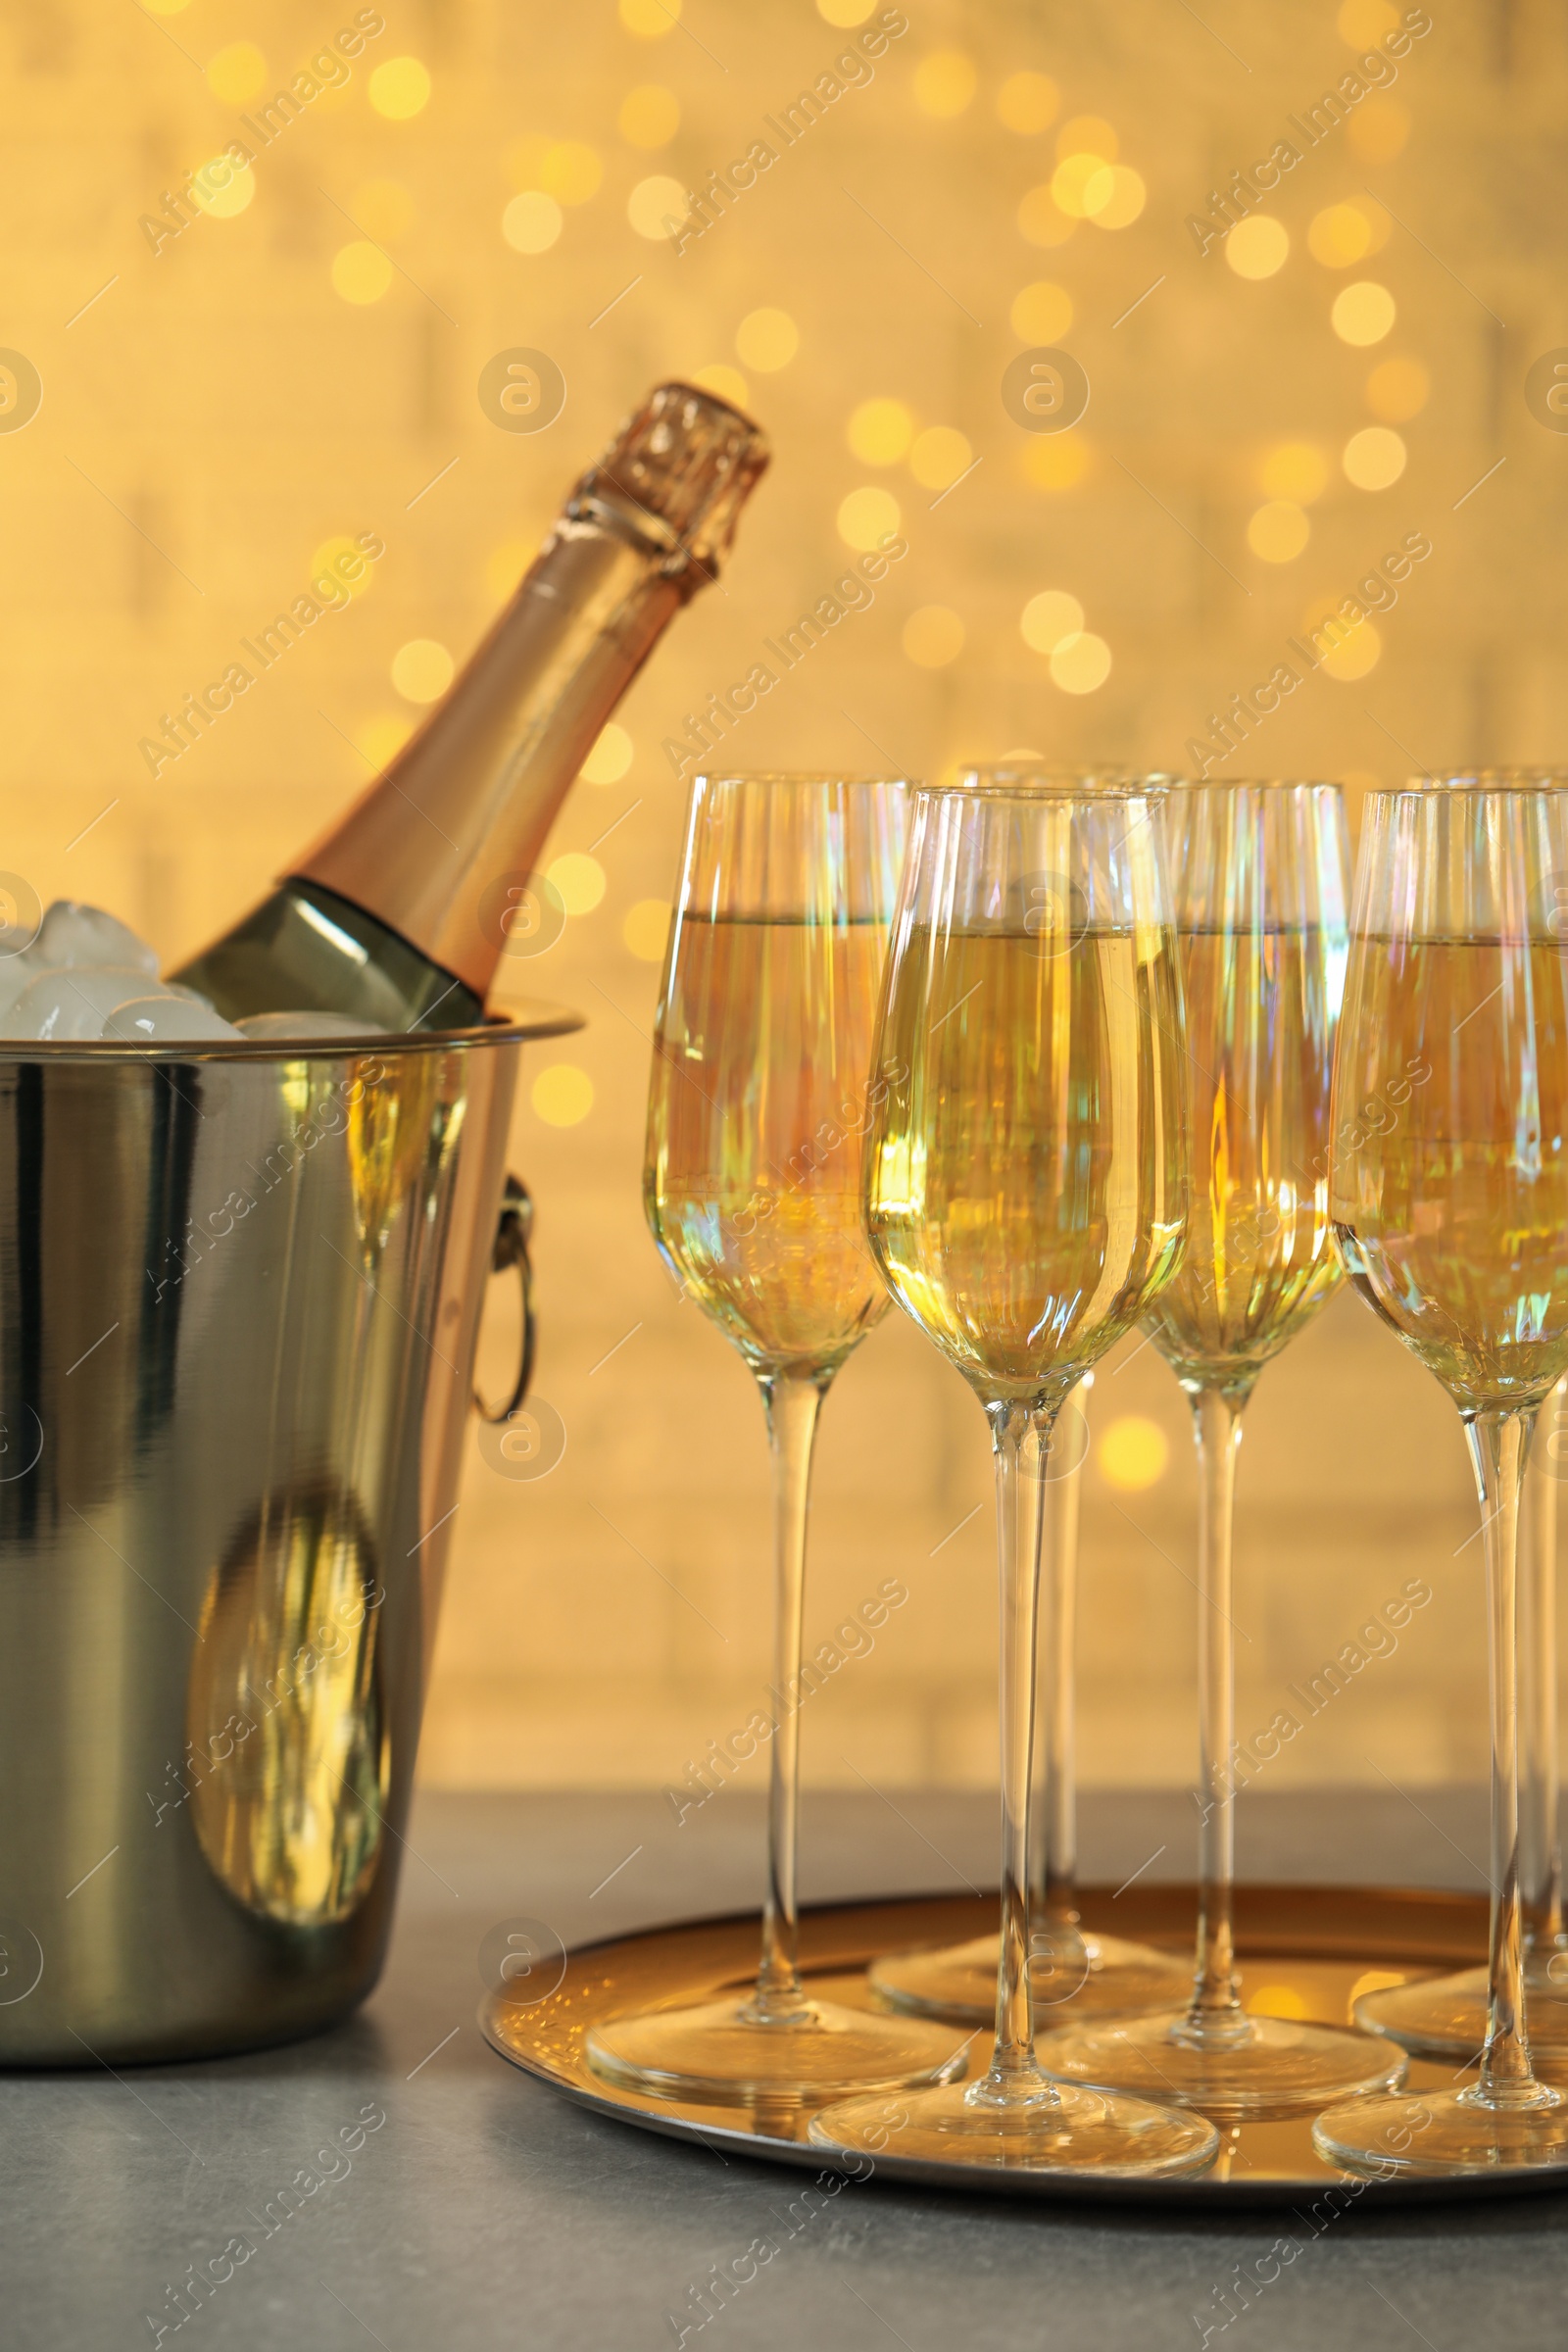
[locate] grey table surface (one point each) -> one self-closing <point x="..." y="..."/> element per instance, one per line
<point x="483" y="2210"/>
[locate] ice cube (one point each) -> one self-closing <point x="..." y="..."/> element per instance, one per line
<point x="73" y="1004"/>
<point x="166" y="1019"/>
<point x="74" y="935"/>
<point x="287" y="1026"/>
<point x="17" y="969"/>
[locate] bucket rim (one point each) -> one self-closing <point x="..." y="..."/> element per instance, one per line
<point x="532" y="1018"/>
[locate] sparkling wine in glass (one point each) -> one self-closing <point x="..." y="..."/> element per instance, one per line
<point x="1026" y="1190"/>
<point x="1450" y="1201"/>
<point x="1259" y="875"/>
<point x="758" y="1105"/>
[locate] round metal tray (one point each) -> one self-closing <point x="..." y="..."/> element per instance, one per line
<point x="1306" y="1951"/>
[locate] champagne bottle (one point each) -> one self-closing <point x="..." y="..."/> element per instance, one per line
<point x="399" y="915"/>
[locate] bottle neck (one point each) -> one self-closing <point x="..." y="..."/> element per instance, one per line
<point x="463" y="812"/>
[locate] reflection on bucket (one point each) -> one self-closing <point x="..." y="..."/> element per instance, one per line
<point x="284" y="1712"/>
<point x="394" y="1132"/>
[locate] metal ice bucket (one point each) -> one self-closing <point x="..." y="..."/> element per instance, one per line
<point x="239" y="1301"/>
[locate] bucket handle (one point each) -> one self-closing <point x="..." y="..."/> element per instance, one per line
<point x="513" y="1233"/>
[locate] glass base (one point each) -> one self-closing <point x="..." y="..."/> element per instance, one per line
<point x="1084" y="1976"/>
<point x="1279" y="2068"/>
<point x="1441" y="2132"/>
<point x="719" y="2051"/>
<point x="1061" y="2131"/>
<point x="1445" y="2016"/>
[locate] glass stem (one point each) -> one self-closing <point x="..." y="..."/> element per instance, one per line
<point x="793" y="1400"/>
<point x="1056" y="1898"/>
<point x="1541" y="1845"/>
<point x="1498" y="1443"/>
<point x="1216" y="2019"/>
<point x="1020" y="1436"/>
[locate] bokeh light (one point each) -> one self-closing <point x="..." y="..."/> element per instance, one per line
<point x="1028" y="103"/>
<point x="1295" y="469"/>
<point x="1071" y="181"/>
<point x="237" y="75"/>
<point x="1283" y="2000"/>
<point x="650" y="20"/>
<point x="646" y="929"/>
<point x="1041" y="313"/>
<point x="504" y="564"/>
<point x="1343" y="233"/>
<point x="1050" y="618"/>
<point x="932" y="636"/>
<point x="944" y="84"/>
<point x="1397" y="390"/>
<point x="1114" y="196"/>
<point x="1278" y="531"/>
<point x="648" y="116"/>
<point x="1340" y="234"/>
<point x="725" y="382"/>
<point x="422" y="670"/>
<point x="609" y="758"/>
<point x="939" y="455"/>
<point x="572" y="171"/>
<point x="845" y="12"/>
<point x="400" y="88"/>
<point x="654" y="203"/>
<point x="767" y="340"/>
<point x="531" y="222"/>
<point x="223" y="187"/>
<point x="1088" y="135"/>
<point x="1356" y="656"/>
<point x="1256" y="247"/>
<point x="1132" y="1454"/>
<point x="1374" y="458"/>
<point x="378" y="740"/>
<point x="1081" y="664"/>
<point x="879" y="431"/>
<point x="1348" y="649"/>
<point x="1365" y="22"/>
<point x="355" y="579"/>
<point x="562" y="1095"/>
<point x="578" y="880"/>
<point x="1378" y="130"/>
<point x="865" y="518"/>
<point x="1042" y="220"/>
<point x="1055" y="461"/>
<point x="361" y="272"/>
<point x="1363" y="312"/>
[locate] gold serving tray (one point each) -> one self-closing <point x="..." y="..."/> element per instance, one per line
<point x="1306" y="1951"/>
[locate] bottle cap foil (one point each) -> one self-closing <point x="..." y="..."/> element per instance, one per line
<point x="678" y="472"/>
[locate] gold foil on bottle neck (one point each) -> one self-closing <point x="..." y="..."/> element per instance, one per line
<point x="679" y="470"/>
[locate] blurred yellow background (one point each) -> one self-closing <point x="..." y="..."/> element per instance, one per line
<point x="239" y="367"/>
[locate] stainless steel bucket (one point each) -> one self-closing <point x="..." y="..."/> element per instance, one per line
<point x="239" y="1301"/>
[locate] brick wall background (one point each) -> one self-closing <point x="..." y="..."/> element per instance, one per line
<point x="216" y="410"/>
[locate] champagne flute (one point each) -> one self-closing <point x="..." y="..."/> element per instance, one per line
<point x="1260" y="874"/>
<point x="756" y="1113"/>
<point x="1451" y="1199"/>
<point x="1025" y="1199"/>
<point x="1072" y="1970"/>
